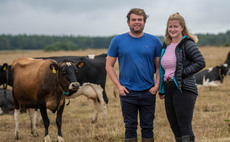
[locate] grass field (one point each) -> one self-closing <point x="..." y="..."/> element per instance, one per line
<point x="212" y="108"/>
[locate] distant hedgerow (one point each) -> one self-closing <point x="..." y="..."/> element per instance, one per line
<point x="57" y="46"/>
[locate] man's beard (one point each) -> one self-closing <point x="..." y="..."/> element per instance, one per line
<point x="136" y="31"/>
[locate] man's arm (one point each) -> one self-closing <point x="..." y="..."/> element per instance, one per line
<point x="155" y="88"/>
<point x="110" y="61"/>
<point x="157" y="61"/>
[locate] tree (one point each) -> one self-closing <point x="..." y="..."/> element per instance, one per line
<point x="4" y="43"/>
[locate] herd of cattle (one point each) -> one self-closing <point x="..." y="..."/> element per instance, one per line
<point x="44" y="83"/>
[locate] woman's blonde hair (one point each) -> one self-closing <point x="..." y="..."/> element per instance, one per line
<point x="185" y="32"/>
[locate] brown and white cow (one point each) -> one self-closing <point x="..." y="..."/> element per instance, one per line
<point x="43" y="84"/>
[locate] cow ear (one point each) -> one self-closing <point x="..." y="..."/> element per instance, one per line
<point x="72" y="61"/>
<point x="54" y="68"/>
<point x="5" y="66"/>
<point x="80" y="65"/>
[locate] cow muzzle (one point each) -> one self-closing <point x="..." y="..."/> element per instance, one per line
<point x="74" y="86"/>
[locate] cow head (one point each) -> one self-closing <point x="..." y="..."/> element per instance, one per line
<point x="224" y="69"/>
<point x="3" y="74"/>
<point x="67" y="76"/>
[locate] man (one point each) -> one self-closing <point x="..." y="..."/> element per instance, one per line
<point x="137" y="52"/>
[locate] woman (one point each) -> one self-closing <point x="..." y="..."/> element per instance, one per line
<point x="180" y="59"/>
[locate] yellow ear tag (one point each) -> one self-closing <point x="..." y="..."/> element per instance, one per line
<point x="53" y="70"/>
<point x="80" y="65"/>
<point x="4" y="68"/>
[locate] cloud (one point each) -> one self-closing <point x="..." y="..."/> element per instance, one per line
<point x="103" y="17"/>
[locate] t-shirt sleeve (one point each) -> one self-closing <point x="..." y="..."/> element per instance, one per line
<point x="158" y="48"/>
<point x="113" y="48"/>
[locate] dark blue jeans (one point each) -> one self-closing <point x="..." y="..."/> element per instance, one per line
<point x="179" y="109"/>
<point x="144" y="103"/>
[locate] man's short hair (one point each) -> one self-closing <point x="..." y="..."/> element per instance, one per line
<point x="137" y="11"/>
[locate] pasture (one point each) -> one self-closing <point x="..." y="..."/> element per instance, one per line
<point x="212" y="108"/>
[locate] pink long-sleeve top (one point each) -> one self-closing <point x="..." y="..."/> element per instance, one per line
<point x="168" y="61"/>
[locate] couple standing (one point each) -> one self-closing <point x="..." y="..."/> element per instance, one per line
<point x="140" y="55"/>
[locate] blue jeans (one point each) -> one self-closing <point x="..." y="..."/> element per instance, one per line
<point x="144" y="103"/>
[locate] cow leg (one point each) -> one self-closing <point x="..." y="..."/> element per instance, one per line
<point x="46" y="122"/>
<point x="33" y="119"/>
<point x="1" y="112"/>
<point x="103" y="104"/>
<point x="16" y="119"/>
<point x="96" y="104"/>
<point x="59" y="123"/>
<point x="39" y="117"/>
<point x="105" y="96"/>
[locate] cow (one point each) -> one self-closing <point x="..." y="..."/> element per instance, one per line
<point x="3" y="73"/>
<point x="213" y="76"/>
<point x="43" y="84"/>
<point x="6" y="101"/>
<point x="94" y="92"/>
<point x="6" y="77"/>
<point x="93" y="72"/>
<point x="227" y="61"/>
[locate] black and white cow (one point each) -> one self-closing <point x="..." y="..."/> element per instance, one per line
<point x="213" y="76"/>
<point x="6" y="76"/>
<point x="227" y="61"/>
<point x="6" y="97"/>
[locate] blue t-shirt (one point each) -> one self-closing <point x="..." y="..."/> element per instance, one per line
<point x="136" y="59"/>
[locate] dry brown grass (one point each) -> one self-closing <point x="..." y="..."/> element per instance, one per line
<point x="212" y="108"/>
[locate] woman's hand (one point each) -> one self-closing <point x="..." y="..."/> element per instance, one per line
<point x="161" y="96"/>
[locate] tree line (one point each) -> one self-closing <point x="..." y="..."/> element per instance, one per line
<point x="55" y="43"/>
<point x="49" y="43"/>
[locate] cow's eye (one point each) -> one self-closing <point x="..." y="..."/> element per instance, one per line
<point x="64" y="71"/>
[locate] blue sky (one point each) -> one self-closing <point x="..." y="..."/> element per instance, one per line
<point x="106" y="17"/>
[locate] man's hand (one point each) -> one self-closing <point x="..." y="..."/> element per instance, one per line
<point x="122" y="90"/>
<point x="153" y="90"/>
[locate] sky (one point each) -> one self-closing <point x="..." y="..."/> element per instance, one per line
<point x="108" y="17"/>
